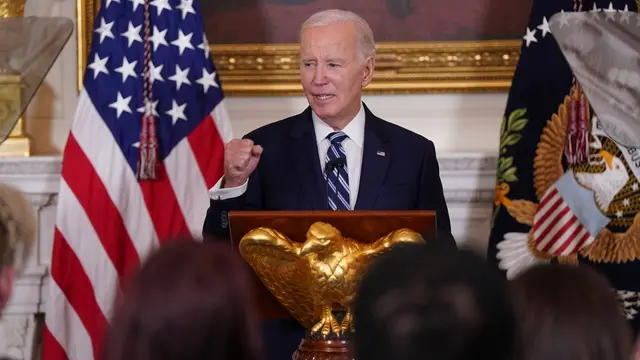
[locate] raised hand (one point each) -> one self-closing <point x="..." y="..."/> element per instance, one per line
<point x="241" y="156"/>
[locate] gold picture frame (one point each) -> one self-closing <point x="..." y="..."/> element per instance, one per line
<point x="401" y="67"/>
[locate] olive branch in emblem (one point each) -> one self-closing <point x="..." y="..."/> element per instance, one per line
<point x="510" y="134"/>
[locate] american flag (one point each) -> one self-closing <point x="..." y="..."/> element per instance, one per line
<point x="108" y="219"/>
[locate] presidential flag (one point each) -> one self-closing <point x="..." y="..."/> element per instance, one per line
<point x="145" y="146"/>
<point x="565" y="191"/>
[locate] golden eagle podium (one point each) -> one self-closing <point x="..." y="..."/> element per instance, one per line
<point x="308" y="264"/>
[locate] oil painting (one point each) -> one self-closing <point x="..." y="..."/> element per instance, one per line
<point x="278" y="21"/>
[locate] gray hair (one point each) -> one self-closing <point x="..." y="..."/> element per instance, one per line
<point x="366" y="44"/>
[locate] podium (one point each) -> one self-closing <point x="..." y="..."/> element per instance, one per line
<point x="363" y="235"/>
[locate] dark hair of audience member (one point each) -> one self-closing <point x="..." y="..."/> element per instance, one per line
<point x="189" y="301"/>
<point x="433" y="302"/>
<point x="569" y="312"/>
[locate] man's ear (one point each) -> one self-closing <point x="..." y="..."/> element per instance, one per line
<point x="370" y="66"/>
<point x="7" y="277"/>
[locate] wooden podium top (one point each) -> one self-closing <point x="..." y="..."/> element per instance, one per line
<point x="361" y="225"/>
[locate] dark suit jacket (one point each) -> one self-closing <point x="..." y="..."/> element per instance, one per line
<point x="289" y="176"/>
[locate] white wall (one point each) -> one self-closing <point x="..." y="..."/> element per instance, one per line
<point x="455" y="122"/>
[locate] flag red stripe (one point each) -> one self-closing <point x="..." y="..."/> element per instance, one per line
<point x="67" y="271"/>
<point x="205" y="140"/>
<point x="554" y="206"/>
<point x="561" y="232"/>
<point x="110" y="219"/>
<point x="547" y="197"/>
<point x="163" y="206"/>
<point x="53" y="349"/>
<point x="571" y="238"/>
<point x="105" y="217"/>
<point x="551" y="226"/>
<point x="583" y="239"/>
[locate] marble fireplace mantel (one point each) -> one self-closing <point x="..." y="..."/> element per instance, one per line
<point x="468" y="180"/>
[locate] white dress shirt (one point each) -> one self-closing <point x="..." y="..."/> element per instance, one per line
<point x="352" y="145"/>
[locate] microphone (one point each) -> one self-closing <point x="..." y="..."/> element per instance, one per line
<point x="331" y="165"/>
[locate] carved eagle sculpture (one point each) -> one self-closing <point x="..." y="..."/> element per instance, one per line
<point x="310" y="278"/>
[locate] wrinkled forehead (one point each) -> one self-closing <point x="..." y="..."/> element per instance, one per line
<point x="329" y="41"/>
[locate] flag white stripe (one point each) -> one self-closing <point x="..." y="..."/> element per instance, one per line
<point x="112" y="167"/>
<point x="85" y="243"/>
<point x="575" y="242"/>
<point x="556" y="227"/>
<point x="564" y="237"/>
<point x="549" y="220"/>
<point x="550" y="202"/>
<point x="223" y="123"/>
<point x="65" y="326"/>
<point x="187" y="180"/>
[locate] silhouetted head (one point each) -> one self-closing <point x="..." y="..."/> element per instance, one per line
<point x="567" y="312"/>
<point x="432" y="301"/>
<point x="190" y="301"/>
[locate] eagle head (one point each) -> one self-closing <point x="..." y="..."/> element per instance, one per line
<point x="320" y="238"/>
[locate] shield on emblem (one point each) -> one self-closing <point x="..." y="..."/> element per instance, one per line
<point x="567" y="218"/>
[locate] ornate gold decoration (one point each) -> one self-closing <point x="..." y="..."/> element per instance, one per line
<point x="17" y="144"/>
<point x="309" y="278"/>
<point x="401" y="67"/>
<point x="12" y="8"/>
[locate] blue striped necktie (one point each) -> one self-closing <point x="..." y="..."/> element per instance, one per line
<point x="337" y="176"/>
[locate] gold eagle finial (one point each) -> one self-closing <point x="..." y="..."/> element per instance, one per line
<point x="310" y="278"/>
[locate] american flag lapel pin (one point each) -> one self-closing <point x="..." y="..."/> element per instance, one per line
<point x="380" y="153"/>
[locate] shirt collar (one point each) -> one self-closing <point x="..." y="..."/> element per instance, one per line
<point x="354" y="130"/>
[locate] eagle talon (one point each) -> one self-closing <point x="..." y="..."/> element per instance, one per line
<point x="327" y="324"/>
<point x="347" y="322"/>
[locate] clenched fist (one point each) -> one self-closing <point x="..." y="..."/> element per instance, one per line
<point x="241" y="157"/>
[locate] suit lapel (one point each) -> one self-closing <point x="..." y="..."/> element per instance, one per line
<point x="375" y="161"/>
<point x="306" y="161"/>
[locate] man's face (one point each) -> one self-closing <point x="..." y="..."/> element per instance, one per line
<point x="330" y="72"/>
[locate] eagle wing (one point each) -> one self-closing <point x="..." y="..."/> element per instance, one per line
<point x="275" y="259"/>
<point x="547" y="164"/>
<point x="523" y="211"/>
<point x="387" y="242"/>
<point x="616" y="247"/>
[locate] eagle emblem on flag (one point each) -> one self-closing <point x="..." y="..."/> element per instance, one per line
<point x="567" y="187"/>
<point x="578" y="205"/>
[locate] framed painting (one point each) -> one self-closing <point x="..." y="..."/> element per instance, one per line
<point x="423" y="46"/>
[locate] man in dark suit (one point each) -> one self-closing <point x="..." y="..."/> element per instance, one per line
<point x="336" y="154"/>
